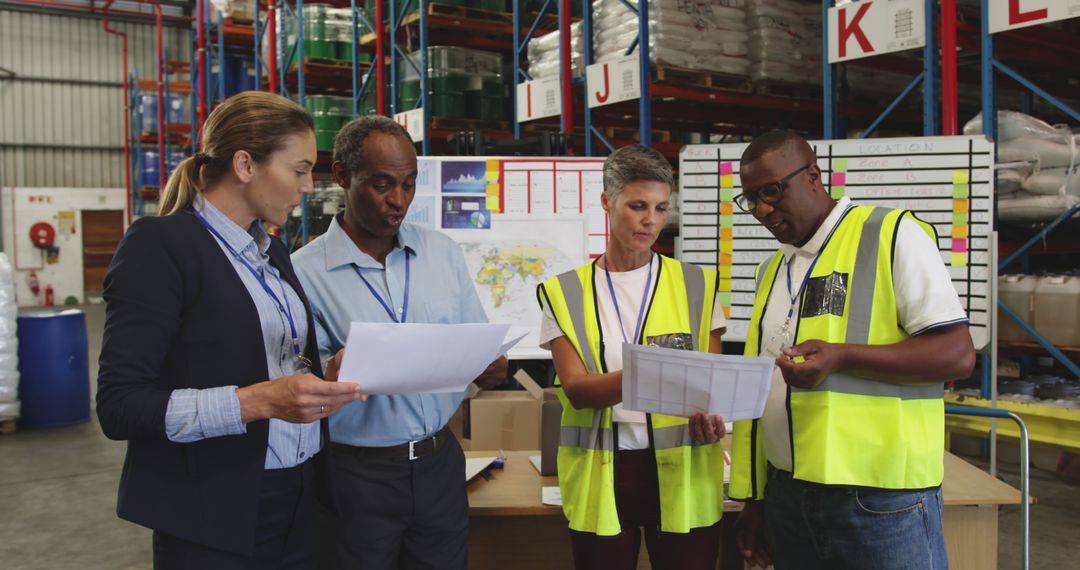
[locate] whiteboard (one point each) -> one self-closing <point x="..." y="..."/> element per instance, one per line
<point x="519" y="222"/>
<point x="945" y="181"/>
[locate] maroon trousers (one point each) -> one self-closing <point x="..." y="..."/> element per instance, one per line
<point x="637" y="498"/>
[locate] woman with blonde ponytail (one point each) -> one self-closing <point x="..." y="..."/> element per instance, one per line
<point x="209" y="365"/>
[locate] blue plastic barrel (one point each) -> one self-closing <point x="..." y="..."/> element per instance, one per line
<point x="54" y="368"/>
<point x="151" y="167"/>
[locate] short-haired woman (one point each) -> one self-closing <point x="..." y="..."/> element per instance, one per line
<point x="621" y="472"/>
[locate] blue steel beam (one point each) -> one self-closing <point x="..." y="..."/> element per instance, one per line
<point x="645" y="102"/>
<point x="930" y="72"/>
<point x="1037" y="90"/>
<point x="425" y="145"/>
<point x="1046" y="344"/>
<point x="920" y="78"/>
<point x="828" y="99"/>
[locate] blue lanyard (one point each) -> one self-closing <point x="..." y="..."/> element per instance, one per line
<point x="644" y="300"/>
<point x="385" y="305"/>
<point x="283" y="307"/>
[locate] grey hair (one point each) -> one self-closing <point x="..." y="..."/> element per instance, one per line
<point x="635" y="163"/>
<point x="349" y="142"/>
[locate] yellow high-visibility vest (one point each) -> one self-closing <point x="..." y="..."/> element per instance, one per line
<point x="849" y="430"/>
<point x="691" y="475"/>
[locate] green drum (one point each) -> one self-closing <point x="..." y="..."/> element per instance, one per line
<point x="324" y="140"/>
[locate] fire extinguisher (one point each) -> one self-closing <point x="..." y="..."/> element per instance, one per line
<point x="48" y="296"/>
<point x="32" y="283"/>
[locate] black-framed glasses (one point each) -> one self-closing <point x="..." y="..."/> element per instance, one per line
<point x="769" y="193"/>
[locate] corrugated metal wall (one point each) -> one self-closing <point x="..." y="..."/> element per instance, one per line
<point x="61" y="116"/>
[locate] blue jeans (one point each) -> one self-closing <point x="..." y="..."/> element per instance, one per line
<point x="858" y="528"/>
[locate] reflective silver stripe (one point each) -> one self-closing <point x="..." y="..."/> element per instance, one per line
<point x="847" y="384"/>
<point x="864" y="279"/>
<point x="763" y="270"/>
<point x="595" y="438"/>
<point x="575" y="304"/>
<point x="860" y="310"/>
<point x="694" y="278"/>
<point x="672" y="436"/>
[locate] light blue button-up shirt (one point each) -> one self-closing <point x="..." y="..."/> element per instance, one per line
<point x="193" y="415"/>
<point x="440" y="291"/>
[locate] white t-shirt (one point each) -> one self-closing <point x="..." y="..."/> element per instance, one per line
<point x="925" y="299"/>
<point x="629" y="287"/>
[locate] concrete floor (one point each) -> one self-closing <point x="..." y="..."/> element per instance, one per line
<point x="58" y="499"/>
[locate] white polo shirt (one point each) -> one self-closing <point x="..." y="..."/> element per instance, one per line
<point x="925" y="299"/>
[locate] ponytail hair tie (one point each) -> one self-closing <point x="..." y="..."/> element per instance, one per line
<point x="201" y="158"/>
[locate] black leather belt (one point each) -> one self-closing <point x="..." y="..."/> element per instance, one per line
<point x="409" y="450"/>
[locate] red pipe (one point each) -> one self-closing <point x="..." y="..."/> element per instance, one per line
<point x="949" y="99"/>
<point x="94" y="9"/>
<point x="127" y="116"/>
<point x="380" y="53"/>
<point x="201" y="56"/>
<point x="565" y="70"/>
<point x="160" y="92"/>
<point x="271" y="30"/>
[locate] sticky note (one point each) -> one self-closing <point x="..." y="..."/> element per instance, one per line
<point x="727" y="194"/>
<point x="959" y="232"/>
<point x="727" y="181"/>
<point x="960" y="177"/>
<point x="724" y="271"/>
<point x="959" y="245"/>
<point x="960" y="191"/>
<point x="727" y="209"/>
<point x="727" y="312"/>
<point x="960" y="219"/>
<point x="959" y="259"/>
<point x="839" y="165"/>
<point x="725" y="259"/>
<point x="726" y="247"/>
<point x="727" y="221"/>
<point x="725" y="299"/>
<point x="836" y="192"/>
<point x="492" y="189"/>
<point x="838" y="179"/>
<point x="492" y="203"/>
<point x="725" y="285"/>
<point x="959" y="206"/>
<point x="493" y="169"/>
<point x="726" y="168"/>
<point x="725" y="233"/>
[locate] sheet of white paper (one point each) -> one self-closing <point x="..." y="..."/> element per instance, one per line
<point x="475" y="465"/>
<point x="414" y="358"/>
<point x="535" y="460"/>
<point x="683" y="383"/>
<point x="551" y="496"/>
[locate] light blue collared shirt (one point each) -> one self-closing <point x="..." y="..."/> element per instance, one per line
<point x="192" y="414"/>
<point x="441" y="291"/>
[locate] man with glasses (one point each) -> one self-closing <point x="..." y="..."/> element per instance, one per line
<point x="844" y="468"/>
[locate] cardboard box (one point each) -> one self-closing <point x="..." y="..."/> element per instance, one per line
<point x="506" y="420"/>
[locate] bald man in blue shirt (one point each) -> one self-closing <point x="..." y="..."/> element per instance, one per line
<point x="399" y="472"/>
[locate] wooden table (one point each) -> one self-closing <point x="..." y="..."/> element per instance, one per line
<point x="511" y="528"/>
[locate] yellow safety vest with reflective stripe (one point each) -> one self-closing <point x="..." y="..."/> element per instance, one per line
<point x="849" y="430"/>
<point x="690" y="474"/>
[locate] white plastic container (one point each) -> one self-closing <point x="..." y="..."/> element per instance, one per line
<point x="1057" y="309"/>
<point x="1016" y="292"/>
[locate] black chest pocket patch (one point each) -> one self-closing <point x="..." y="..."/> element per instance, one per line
<point x="825" y="295"/>
<point x="678" y="341"/>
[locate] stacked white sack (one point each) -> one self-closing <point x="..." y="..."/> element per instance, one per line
<point x="9" y="343"/>
<point x="708" y="35"/>
<point x="543" y="54"/>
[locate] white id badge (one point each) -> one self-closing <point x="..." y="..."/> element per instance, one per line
<point x="776" y="343"/>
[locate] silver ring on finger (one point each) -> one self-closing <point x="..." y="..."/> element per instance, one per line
<point x="322" y="409"/>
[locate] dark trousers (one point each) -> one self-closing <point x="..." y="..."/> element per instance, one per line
<point x="637" y="497"/>
<point x="286" y="537"/>
<point x="396" y="513"/>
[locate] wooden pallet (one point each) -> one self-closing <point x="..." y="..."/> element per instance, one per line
<point x="7" y="426"/>
<point x="628" y="133"/>
<point x="702" y="78"/>
<point x="786" y="89"/>
<point x="463" y="124"/>
<point x="469" y="13"/>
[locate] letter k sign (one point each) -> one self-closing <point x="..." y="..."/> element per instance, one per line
<point x="846" y="30"/>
